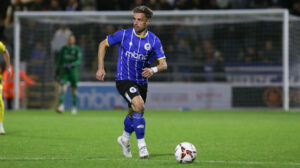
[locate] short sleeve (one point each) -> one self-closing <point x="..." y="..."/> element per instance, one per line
<point x="158" y="50"/>
<point x="2" y="47"/>
<point x="115" y="38"/>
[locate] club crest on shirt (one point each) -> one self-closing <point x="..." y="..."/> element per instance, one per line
<point x="132" y="90"/>
<point x="147" y="46"/>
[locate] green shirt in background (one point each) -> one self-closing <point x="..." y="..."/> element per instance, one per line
<point x="69" y="57"/>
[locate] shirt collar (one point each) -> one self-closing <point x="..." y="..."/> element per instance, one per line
<point x="140" y="35"/>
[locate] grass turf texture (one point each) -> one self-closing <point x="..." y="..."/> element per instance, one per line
<point x="233" y="139"/>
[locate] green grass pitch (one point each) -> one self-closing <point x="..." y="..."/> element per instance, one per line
<point x="224" y="139"/>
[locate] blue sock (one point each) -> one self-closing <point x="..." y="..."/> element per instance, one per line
<point x="139" y="125"/>
<point x="128" y="124"/>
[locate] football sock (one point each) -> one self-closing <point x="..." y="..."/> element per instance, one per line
<point x="1" y="110"/>
<point x="61" y="97"/>
<point x="128" y="126"/>
<point x="139" y="125"/>
<point x="126" y="135"/>
<point x="74" y="100"/>
<point x="141" y="143"/>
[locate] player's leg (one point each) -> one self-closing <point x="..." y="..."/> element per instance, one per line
<point x="128" y="124"/>
<point x="143" y="152"/>
<point x="124" y="139"/>
<point x="136" y="94"/>
<point x="9" y="103"/>
<point x="74" y="100"/>
<point x="74" y="81"/>
<point x="139" y="125"/>
<point x="2" y="131"/>
<point x="63" y="89"/>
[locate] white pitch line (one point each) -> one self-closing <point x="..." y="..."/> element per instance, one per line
<point x="159" y="160"/>
<point x="253" y="162"/>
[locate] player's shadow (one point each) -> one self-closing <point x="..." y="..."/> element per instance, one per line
<point x="161" y="154"/>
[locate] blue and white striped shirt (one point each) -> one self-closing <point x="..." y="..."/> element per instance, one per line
<point x="135" y="53"/>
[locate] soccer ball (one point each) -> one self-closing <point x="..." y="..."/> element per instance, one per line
<point x="185" y="152"/>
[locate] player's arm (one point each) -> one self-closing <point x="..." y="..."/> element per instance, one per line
<point x="109" y="41"/>
<point x="26" y="78"/>
<point x="7" y="60"/>
<point x="162" y="66"/>
<point x="101" y="54"/>
<point x="77" y="62"/>
<point x="59" y="62"/>
<point x="6" y="56"/>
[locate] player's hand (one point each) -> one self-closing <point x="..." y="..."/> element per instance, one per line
<point x="9" y="69"/>
<point x="100" y="74"/>
<point x="147" y="72"/>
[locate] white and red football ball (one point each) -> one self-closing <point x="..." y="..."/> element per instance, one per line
<point x="185" y="152"/>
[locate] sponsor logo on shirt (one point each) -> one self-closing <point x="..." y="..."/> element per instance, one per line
<point x="136" y="55"/>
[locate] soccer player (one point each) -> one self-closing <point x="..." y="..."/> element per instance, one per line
<point x="67" y="69"/>
<point x="5" y="53"/>
<point x="138" y="48"/>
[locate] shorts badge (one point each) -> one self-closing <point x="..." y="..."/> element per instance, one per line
<point x="132" y="90"/>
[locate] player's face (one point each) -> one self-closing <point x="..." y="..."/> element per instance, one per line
<point x="140" y="22"/>
<point x="71" y="40"/>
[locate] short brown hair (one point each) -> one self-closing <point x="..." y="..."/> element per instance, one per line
<point x="145" y="10"/>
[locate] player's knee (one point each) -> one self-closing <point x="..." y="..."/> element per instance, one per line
<point x="139" y="108"/>
<point x="138" y="104"/>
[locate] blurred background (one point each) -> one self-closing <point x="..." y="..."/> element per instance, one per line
<point x="226" y="61"/>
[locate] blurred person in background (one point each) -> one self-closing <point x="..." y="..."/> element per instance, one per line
<point x="251" y="55"/>
<point x="55" y="5"/>
<point x="165" y="5"/>
<point x="73" y="5"/>
<point x="9" y="87"/>
<point x="183" y="5"/>
<point x="295" y="8"/>
<point x="88" y="5"/>
<point x="184" y="58"/>
<point x="269" y="53"/>
<point x="67" y="66"/>
<point x="219" y="67"/>
<point x="60" y="38"/>
<point x="138" y="49"/>
<point x="136" y="3"/>
<point x="198" y="58"/>
<point x="38" y="60"/>
<point x="6" y="56"/>
<point x="37" y="5"/>
<point x="208" y="50"/>
<point x="153" y="4"/>
<point x="16" y="6"/>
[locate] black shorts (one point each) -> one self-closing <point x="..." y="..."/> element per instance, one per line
<point x="129" y="89"/>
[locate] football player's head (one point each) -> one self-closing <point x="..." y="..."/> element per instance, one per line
<point x="141" y="18"/>
<point x="71" y="40"/>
